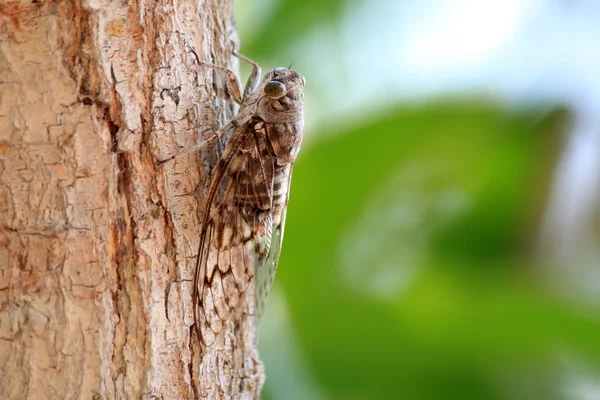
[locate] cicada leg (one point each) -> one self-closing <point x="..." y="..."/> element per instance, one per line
<point x="233" y="83"/>
<point x="254" y="78"/>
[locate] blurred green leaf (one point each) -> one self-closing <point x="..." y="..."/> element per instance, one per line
<point x="286" y="22"/>
<point x="468" y="311"/>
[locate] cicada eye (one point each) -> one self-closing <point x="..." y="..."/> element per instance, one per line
<point x="275" y="89"/>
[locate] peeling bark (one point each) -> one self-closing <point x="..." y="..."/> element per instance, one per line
<point x="97" y="238"/>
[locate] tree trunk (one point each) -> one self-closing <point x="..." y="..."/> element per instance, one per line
<point x="98" y="239"/>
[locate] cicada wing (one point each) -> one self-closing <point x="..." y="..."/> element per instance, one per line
<point x="266" y="272"/>
<point x="236" y="229"/>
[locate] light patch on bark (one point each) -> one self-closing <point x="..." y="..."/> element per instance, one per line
<point x="97" y="239"/>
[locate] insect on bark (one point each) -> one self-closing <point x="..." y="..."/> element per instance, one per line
<point x="244" y="213"/>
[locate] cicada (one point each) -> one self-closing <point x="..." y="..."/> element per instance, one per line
<point x="243" y="217"/>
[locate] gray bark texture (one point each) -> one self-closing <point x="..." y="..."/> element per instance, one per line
<point x="98" y="239"/>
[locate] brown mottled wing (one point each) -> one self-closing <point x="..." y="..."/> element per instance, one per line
<point x="236" y="230"/>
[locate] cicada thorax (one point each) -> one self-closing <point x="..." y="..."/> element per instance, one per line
<point x="284" y="121"/>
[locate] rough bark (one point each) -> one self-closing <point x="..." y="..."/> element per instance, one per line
<point x="97" y="237"/>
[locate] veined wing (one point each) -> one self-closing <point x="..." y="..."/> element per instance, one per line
<point x="236" y="230"/>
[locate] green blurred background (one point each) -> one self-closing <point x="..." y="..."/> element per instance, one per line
<point x="443" y="229"/>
